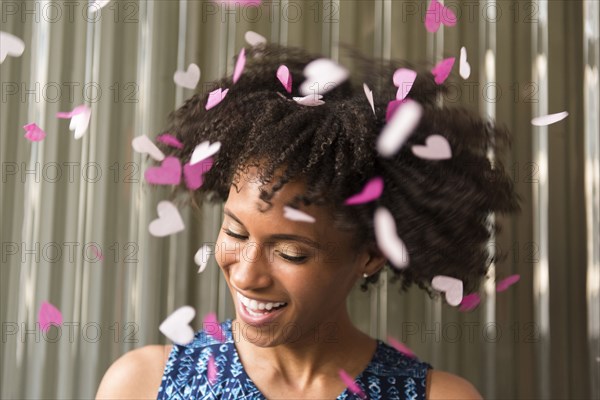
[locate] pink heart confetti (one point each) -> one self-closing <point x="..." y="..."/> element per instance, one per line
<point x="507" y="282"/>
<point x="177" y="326"/>
<point x="309" y="100"/>
<point x="371" y="191"/>
<point x="284" y="76"/>
<point x="215" y="97"/>
<point x="549" y="119"/>
<point x="401" y="347"/>
<point x="143" y="144"/>
<point x="352" y="386"/>
<point x="436" y="148"/>
<point x="401" y="126"/>
<point x="213" y="327"/>
<point x="192" y="174"/>
<point x="438" y="14"/>
<point x="239" y="65"/>
<point x="80" y="119"/>
<point x="452" y="287"/>
<point x="469" y="302"/>
<point x="169" y="172"/>
<point x="392" y="107"/>
<point x="369" y="94"/>
<point x="170" y="140"/>
<point x="441" y="71"/>
<point x="297" y="215"/>
<point x="169" y="220"/>
<point x="211" y="370"/>
<point x="404" y="79"/>
<point x="97" y="253"/>
<point x="322" y="75"/>
<point x="49" y="315"/>
<point x="34" y="133"/>
<point x="387" y="238"/>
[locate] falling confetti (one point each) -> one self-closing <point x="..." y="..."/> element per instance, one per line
<point x="49" y="315"/>
<point x="296" y="215"/>
<point x="371" y="191"/>
<point x="436" y="148"/>
<point x="34" y="133"/>
<point x="169" y="172"/>
<point x="169" y="220"/>
<point x="452" y="287"/>
<point x="177" y="326"/>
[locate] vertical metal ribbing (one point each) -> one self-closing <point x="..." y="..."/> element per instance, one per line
<point x="541" y="295"/>
<point x="591" y="93"/>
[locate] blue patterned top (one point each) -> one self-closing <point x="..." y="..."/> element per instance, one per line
<point x="390" y="375"/>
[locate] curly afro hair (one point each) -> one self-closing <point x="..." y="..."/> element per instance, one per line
<point x="441" y="207"/>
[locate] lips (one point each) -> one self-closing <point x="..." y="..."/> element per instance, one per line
<point x="259" y="320"/>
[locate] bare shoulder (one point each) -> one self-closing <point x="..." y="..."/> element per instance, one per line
<point x="447" y="386"/>
<point x="137" y="374"/>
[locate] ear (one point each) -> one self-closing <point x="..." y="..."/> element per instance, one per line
<point x="375" y="259"/>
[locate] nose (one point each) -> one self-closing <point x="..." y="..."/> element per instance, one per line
<point x="251" y="271"/>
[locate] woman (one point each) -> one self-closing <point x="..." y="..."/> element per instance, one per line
<point x="291" y="248"/>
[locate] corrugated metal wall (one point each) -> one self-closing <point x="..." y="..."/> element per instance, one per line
<point x="64" y="201"/>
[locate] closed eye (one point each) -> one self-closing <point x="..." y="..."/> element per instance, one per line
<point x="297" y="260"/>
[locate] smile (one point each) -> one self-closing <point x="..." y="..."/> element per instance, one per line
<point x="258" y="308"/>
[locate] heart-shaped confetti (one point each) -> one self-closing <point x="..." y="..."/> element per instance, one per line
<point x="168" y="222"/>
<point x="369" y="94"/>
<point x="438" y="14"/>
<point x="387" y="238"/>
<point x="193" y="174"/>
<point x="392" y="107"/>
<point x="401" y="347"/>
<point x="177" y="326"/>
<point x="401" y="126"/>
<point x="351" y="384"/>
<point x="215" y="97"/>
<point x="507" y="282"/>
<point x="441" y="71"/>
<point x="211" y="370"/>
<point x="169" y="140"/>
<point x="97" y="253"/>
<point x="201" y="257"/>
<point x="169" y="172"/>
<point x="310" y="100"/>
<point x="239" y="65"/>
<point x="549" y="119"/>
<point x="296" y="215"/>
<point x="436" y="148"/>
<point x="34" y="133"/>
<point x="203" y="151"/>
<point x="469" y="302"/>
<point x="322" y="75"/>
<point x="49" y="315"/>
<point x="143" y="144"/>
<point x="464" y="68"/>
<point x="452" y="287"/>
<point x="213" y="328"/>
<point x="284" y="76"/>
<point x="188" y="79"/>
<point x="254" y="39"/>
<point x="80" y="119"/>
<point x="404" y="79"/>
<point x="371" y="191"/>
<point x="10" y="45"/>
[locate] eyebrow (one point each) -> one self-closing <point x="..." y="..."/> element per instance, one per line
<point x="279" y="236"/>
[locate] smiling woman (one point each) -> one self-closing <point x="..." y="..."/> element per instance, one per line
<point x="291" y="246"/>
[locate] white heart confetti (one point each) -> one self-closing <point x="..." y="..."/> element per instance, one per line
<point x="254" y="39"/>
<point x="80" y="119"/>
<point x="177" y="326"/>
<point x="399" y="128"/>
<point x="203" y="151"/>
<point x="10" y="45"/>
<point x="549" y="119"/>
<point x="387" y="238"/>
<point x="202" y="256"/>
<point x="296" y="215"/>
<point x="188" y="79"/>
<point x="310" y="100"/>
<point x="168" y="222"/>
<point x="436" y="148"/>
<point x="451" y="286"/>
<point x="143" y="144"/>
<point x="322" y="75"/>
<point x="464" y="68"/>
<point x="369" y="94"/>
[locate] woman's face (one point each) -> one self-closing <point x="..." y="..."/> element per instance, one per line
<point x="262" y="260"/>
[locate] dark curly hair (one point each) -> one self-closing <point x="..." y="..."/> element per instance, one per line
<point x="440" y="207"/>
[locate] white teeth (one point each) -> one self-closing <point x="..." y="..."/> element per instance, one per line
<point x="255" y="305"/>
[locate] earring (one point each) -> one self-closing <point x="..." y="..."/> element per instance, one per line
<point x="365" y="275"/>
